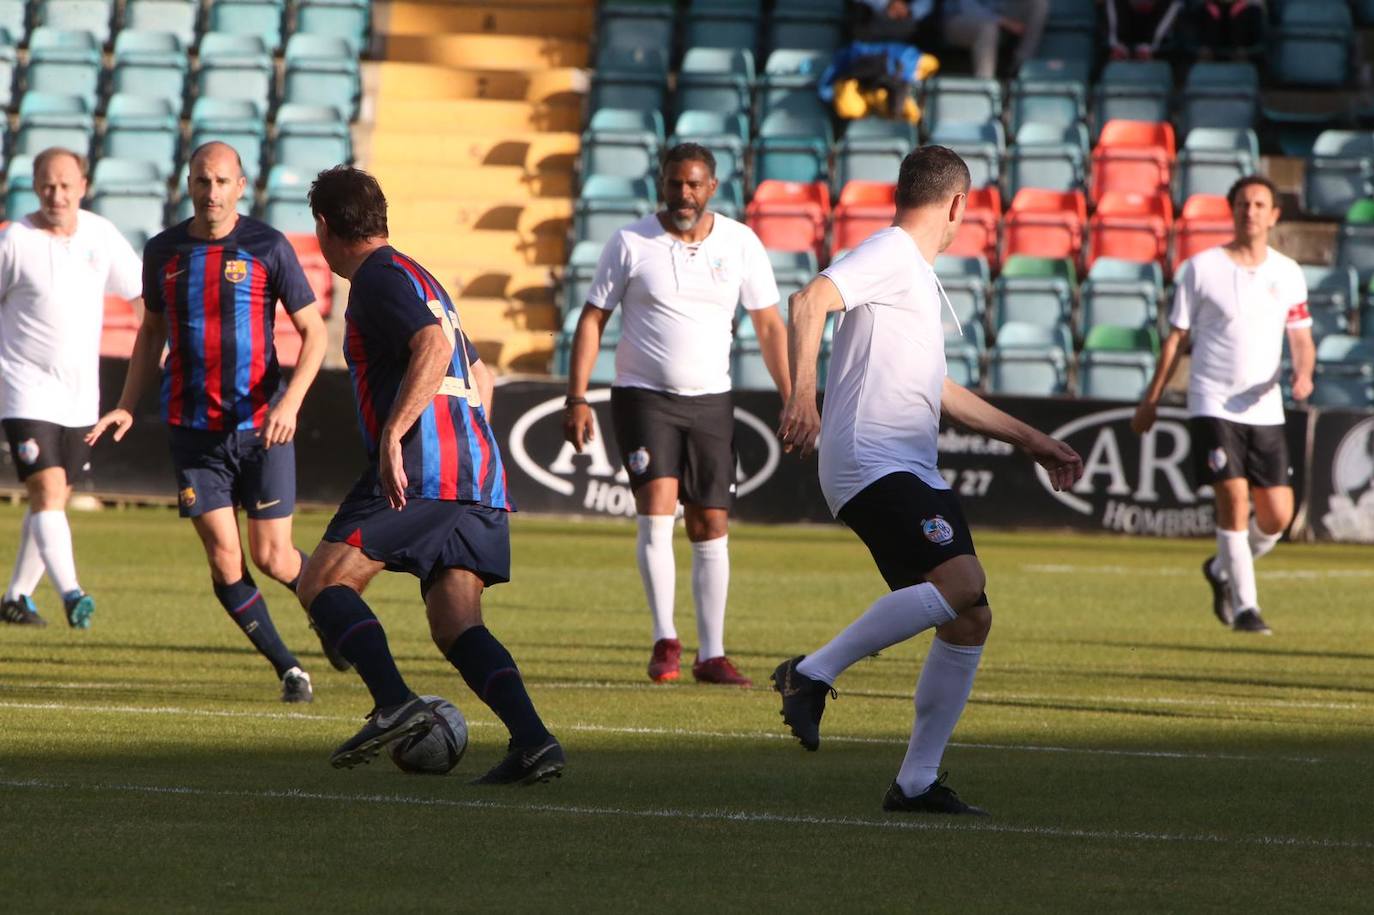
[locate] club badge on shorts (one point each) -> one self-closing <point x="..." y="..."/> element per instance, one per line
<point x="937" y="530"/>
<point x="1216" y="459"/>
<point x="235" y="271"/>
<point x="637" y="461"/>
<point x="187" y="497"/>
<point x="27" y="452"/>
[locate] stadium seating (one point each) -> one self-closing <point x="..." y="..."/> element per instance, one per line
<point x="1050" y="93"/>
<point x="977" y="237"/>
<point x="1131" y="226"/>
<point x="623" y="144"/>
<point x="1029" y="360"/>
<point x="235" y="121"/>
<point x="979" y="144"/>
<point x="872" y="149"/>
<point x="792" y="148"/>
<point x="864" y="207"/>
<point x="961" y="99"/>
<point x="1205" y="222"/>
<point x="1339" y="171"/>
<point x="1051" y="166"/>
<point x="1219" y="95"/>
<point x="1121" y="293"/>
<point x="1311" y="45"/>
<point x="63" y="63"/>
<point x="608" y="203"/>
<point x="346" y="19"/>
<point x="1133" y="156"/>
<point x="1213" y="158"/>
<point x="1355" y="241"/>
<point x="1132" y="91"/>
<point x="177" y="17"/>
<point x="311" y="138"/>
<point x="1035" y="291"/>
<point x="149" y="65"/>
<point x="14" y="22"/>
<point x="790" y="215"/>
<point x="235" y="67"/>
<point x="965" y="281"/>
<point x="1117" y="363"/>
<point x="53" y="120"/>
<point x="715" y="79"/>
<point x="320" y="71"/>
<point x="1045" y="224"/>
<point x="92" y="16"/>
<point x="1332" y="293"/>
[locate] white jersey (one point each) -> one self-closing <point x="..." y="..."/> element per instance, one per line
<point x="678" y="302"/>
<point x="52" y="303"/>
<point x="887" y="369"/>
<point x="1236" y="318"/>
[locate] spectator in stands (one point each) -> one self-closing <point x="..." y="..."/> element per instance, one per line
<point x="678" y="276"/>
<point x="977" y="25"/>
<point x="1229" y="24"/>
<point x="1136" y="28"/>
<point x="872" y="79"/>
<point x="56" y="267"/>
<point x="892" y="20"/>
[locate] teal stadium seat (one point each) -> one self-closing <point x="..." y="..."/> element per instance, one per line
<point x="9" y="65"/>
<point x="142" y="129"/>
<point x="311" y="138"/>
<point x="262" y="18"/>
<point x="1028" y="361"/>
<point x="127" y="176"/>
<point x="815" y="25"/>
<point x="790" y="148"/>
<point x="962" y="362"/>
<point x="608" y="203"/>
<point x="63" y="63"/>
<point x="1219" y="95"/>
<point x="1332" y="294"/>
<point x="175" y="16"/>
<point x="965" y="279"/>
<point x="1339" y="172"/>
<point x="737" y="29"/>
<point x="149" y="65"/>
<point x="234" y="121"/>
<point x="321" y="70"/>
<point x="961" y="99"/>
<point x="1213" y="159"/>
<point x="603" y="370"/>
<point x="725" y="135"/>
<point x="53" y="120"/>
<point x="578" y="275"/>
<point x="1355" y="241"/>
<point x="1345" y="371"/>
<point x="346" y="19"/>
<point x="1339" y="391"/>
<point x="793" y="68"/>
<point x="92" y="16"/>
<point x="1114" y="376"/>
<point x="623" y="143"/>
<point x="138" y="215"/>
<point x="20" y="202"/>
<point x="1048" y="166"/>
<point x="235" y="67"/>
<point x="872" y="149"/>
<point x="1051" y="92"/>
<point x="980" y="145"/>
<point x="1121" y="293"/>
<point x="715" y="79"/>
<point x="636" y="27"/>
<point x="1311" y="45"/>
<point x="14" y="21"/>
<point x="1132" y="90"/>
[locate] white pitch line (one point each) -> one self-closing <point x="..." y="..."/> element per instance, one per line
<point x="715" y="816"/>
<point x="1052" y="568"/>
<point x="662" y="732"/>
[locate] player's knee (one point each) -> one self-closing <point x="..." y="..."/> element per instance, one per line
<point x="274" y="559"/>
<point x="962" y="588"/>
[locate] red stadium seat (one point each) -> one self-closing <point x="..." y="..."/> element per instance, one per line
<point x="1131" y="226"/>
<point x="1044" y="223"/>
<point x="790" y="216"/>
<point x="118" y="328"/>
<point x="1205" y="223"/>
<point x="864" y="208"/>
<point x="1133" y="156"/>
<point x="287" y="339"/>
<point x="978" y="234"/>
<point x="317" y="271"/>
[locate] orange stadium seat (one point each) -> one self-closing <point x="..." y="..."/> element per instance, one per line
<point x="1133" y="156"/>
<point x="119" y="328"/>
<point x="1204" y="223"/>
<point x="864" y="208"/>
<point x="287" y="339"/>
<point x="978" y="234"/>
<point x="790" y="215"/>
<point x="1131" y="226"/>
<point x="1045" y="223"/>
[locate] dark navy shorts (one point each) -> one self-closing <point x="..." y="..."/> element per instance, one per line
<point x="909" y="527"/>
<point x="38" y="445"/>
<point x="426" y="537"/>
<point x="224" y="469"/>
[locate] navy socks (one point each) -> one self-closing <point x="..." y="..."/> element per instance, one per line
<point x="248" y="610"/>
<point x="297" y="580"/>
<point x="490" y="672"/>
<point x="346" y="622"/>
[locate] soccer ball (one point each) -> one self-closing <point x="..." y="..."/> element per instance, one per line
<point x="437" y="750"/>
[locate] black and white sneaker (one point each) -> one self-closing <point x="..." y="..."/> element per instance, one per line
<point x="935" y="799"/>
<point x="296" y="687"/>
<point x="21" y="612"/>
<point x="1222" y="607"/>
<point x="1249" y="620"/>
<point x="384" y="726"/>
<point x="803" y="701"/>
<point x="336" y="660"/>
<point x="527" y="765"/>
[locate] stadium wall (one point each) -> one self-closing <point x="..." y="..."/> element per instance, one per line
<point x="1133" y="486"/>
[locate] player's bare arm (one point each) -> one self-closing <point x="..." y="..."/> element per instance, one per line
<point x="578" y="427"/>
<point x="772" y="333"/>
<point x="1169" y="352"/>
<point x="280" y="426"/>
<point x="485" y="382"/>
<point x="1304" y="352"/>
<point x="431" y="349"/>
<point x="973" y="412"/>
<point x="807" y="310"/>
<point x="143" y="367"/>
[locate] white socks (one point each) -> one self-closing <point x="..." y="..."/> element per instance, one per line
<point x="710" y="583"/>
<point x="28" y="564"/>
<point x="1235" y="560"/>
<point x="941" y="693"/>
<point x="54" y="538"/>
<point x="654" y="551"/>
<point x="892" y="618"/>
<point x="1260" y="542"/>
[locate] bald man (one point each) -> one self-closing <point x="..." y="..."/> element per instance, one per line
<point x="210" y="287"/>
<point x="56" y="267"/>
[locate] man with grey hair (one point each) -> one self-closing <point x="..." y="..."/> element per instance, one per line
<point x="57" y="264"/>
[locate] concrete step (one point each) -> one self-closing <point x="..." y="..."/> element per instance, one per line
<point x="502" y="250"/>
<point x="519" y="17"/>
<point x="488" y="52"/>
<point x="404" y="80"/>
<point x="503" y="183"/>
<point x="518" y="351"/>
<point x="467" y="116"/>
<point x="527" y="217"/>
<point x="533" y="151"/>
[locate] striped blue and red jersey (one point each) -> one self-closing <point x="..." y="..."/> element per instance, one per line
<point x="450" y="452"/>
<point x="220" y="299"/>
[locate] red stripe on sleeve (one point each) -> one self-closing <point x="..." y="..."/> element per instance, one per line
<point x="214" y="369"/>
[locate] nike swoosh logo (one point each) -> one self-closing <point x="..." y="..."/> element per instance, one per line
<point x="261" y="504"/>
<point x="384" y="722"/>
<point x="172" y="276"/>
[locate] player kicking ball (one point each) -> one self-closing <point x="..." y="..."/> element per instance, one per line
<point x="886" y="391"/>
<point x="432" y="501"/>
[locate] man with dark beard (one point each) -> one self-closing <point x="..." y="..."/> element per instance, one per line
<point x="679" y="275"/>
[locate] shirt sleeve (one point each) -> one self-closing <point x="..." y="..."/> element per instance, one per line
<point x="1185" y="298"/>
<point x="1295" y="297"/>
<point x="152" y="280"/>
<point x="758" y="286"/>
<point x="399" y="312"/>
<point x="612" y="274"/>
<point x="289" y="284"/>
<point x="875" y="273"/>
<point x="125" y="276"/>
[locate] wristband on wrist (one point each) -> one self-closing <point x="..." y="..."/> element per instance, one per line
<point x="574" y="401"/>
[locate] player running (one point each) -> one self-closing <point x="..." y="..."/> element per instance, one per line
<point x="1234" y="303"/>
<point x="210" y="287"/>
<point x="886" y="391"/>
<point x="678" y="276"/>
<point x="56" y="267"/>
<point x="432" y="501"/>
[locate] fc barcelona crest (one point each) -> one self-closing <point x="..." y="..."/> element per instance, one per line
<point x="235" y="271"/>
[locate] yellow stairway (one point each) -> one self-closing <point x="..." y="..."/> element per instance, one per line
<point x="474" y="118"/>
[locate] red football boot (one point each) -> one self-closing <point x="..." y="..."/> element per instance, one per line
<point x="664" y="664"/>
<point x="719" y="670"/>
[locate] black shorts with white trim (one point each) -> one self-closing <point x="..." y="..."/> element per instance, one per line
<point x="689" y="437"/>
<point x="1227" y="450"/>
<point x="908" y="526"/>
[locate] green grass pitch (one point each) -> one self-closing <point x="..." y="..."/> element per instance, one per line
<point x="1135" y="755"/>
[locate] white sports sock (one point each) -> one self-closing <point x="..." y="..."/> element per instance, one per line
<point x="28" y="564"/>
<point x="54" y="538"/>
<point x="710" y="584"/>
<point x="658" y="571"/>
<point x="1260" y="542"/>
<point x="1233" y="555"/>
<point x="941" y="694"/>
<point x="892" y="618"/>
